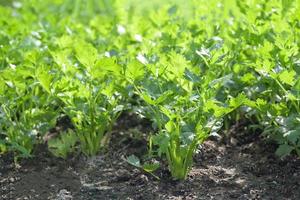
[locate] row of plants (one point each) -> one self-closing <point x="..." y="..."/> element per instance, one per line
<point x="190" y="74"/>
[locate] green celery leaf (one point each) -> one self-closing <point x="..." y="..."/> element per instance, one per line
<point x="86" y="54"/>
<point x="150" y="167"/>
<point x="133" y="160"/>
<point x="135" y="70"/>
<point x="284" y="150"/>
<point x="287" y="77"/>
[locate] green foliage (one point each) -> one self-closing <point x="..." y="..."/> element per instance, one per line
<point x="184" y="65"/>
<point x="147" y="167"/>
<point x="91" y="98"/>
<point x="63" y="145"/>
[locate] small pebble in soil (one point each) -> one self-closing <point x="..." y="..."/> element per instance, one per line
<point x="11" y="180"/>
<point x="144" y="178"/>
<point x="295" y="174"/>
<point x="64" y="195"/>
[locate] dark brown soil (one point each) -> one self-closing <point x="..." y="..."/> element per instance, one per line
<point x="237" y="169"/>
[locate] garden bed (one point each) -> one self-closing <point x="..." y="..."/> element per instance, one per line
<point x="222" y="170"/>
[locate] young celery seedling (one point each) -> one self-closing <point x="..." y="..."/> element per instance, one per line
<point x="90" y="99"/>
